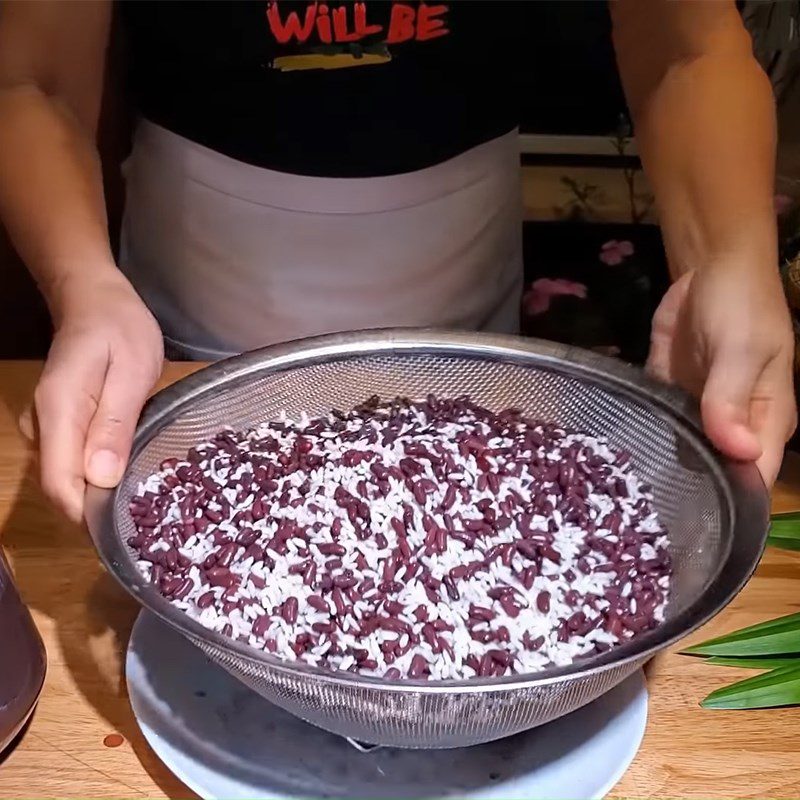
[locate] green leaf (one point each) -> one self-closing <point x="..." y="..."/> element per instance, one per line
<point x="784" y="531"/>
<point x="788" y="525"/>
<point x="784" y="543"/>
<point x="768" y="662"/>
<point x="776" y="637"/>
<point x="780" y="687"/>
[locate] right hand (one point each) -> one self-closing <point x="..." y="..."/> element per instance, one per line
<point x="106" y="357"/>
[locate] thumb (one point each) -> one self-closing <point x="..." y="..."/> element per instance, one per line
<point x="64" y="405"/>
<point x="665" y="325"/>
<point x="108" y="442"/>
<point x="26" y="424"/>
<point x="726" y="401"/>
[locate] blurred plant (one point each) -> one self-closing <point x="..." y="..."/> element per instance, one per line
<point x="639" y="203"/>
<point x="580" y="206"/>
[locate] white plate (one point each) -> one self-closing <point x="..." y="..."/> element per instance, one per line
<point x="224" y="741"/>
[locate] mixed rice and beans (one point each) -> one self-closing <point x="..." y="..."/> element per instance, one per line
<point x="429" y="539"/>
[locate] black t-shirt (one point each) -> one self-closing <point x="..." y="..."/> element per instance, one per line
<point x="339" y="89"/>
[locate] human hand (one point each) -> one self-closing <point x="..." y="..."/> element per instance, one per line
<point x="105" y="358"/>
<point x="724" y="334"/>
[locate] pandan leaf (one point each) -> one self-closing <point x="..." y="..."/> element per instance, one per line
<point x="780" y="687"/>
<point x="768" y="662"/>
<point x="776" y="637"/>
<point x="784" y="543"/>
<point x="784" y="531"/>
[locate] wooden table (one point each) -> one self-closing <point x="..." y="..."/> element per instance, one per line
<point x="68" y="750"/>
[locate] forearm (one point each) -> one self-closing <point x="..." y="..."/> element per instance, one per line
<point x="707" y="139"/>
<point x="51" y="192"/>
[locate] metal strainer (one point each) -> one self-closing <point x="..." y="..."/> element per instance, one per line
<point x="716" y="511"/>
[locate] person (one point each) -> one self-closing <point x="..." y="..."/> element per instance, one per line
<point x="308" y="167"/>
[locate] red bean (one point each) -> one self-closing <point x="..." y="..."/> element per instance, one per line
<point x="419" y="494"/>
<point x="528" y="577"/>
<point x="213" y="516"/>
<point x="571" y="597"/>
<point x="509" y="606"/>
<point x="310" y="574"/>
<point x="466" y="538"/>
<point x="418" y="666"/>
<point x="257" y="580"/>
<point x="331" y="549"/>
<point x="205" y="600"/>
<point x="317" y="603"/>
<point x="338" y="599"/>
<point x="169" y="584"/>
<point x="528" y="548"/>
<point x="501" y="657"/>
<point x="395" y="625"/>
<point x="480" y="613"/>
<point x="389" y="570"/>
<point x="502" y="634"/>
<point x="323" y="627"/>
<point x="220" y="576"/>
<point x="261" y="625"/>
<point x="393" y="607"/>
<point x="183" y="589"/>
<point x="225" y="555"/>
<point x="289" y="610"/>
<point x="486" y="666"/>
<point x="552" y="554"/>
<point x="543" y="602"/>
<point x="254" y="551"/>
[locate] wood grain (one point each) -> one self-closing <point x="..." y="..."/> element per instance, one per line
<point x="85" y="621"/>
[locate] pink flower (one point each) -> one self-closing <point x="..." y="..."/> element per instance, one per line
<point x="542" y="291"/>
<point x="614" y="252"/>
<point x="782" y="203"/>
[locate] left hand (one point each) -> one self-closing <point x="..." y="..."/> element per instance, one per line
<point x="724" y="334"/>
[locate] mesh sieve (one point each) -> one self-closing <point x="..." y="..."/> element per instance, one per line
<point x="716" y="511"/>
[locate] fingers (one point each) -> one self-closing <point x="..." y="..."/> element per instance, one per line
<point x="664" y="327"/>
<point x="26" y="424"/>
<point x="66" y="399"/>
<point x="658" y="359"/>
<point x="770" y="462"/>
<point x="774" y="421"/>
<point x="112" y="427"/>
<point x="726" y="402"/>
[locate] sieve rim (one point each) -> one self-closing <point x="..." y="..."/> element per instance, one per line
<point x="744" y="492"/>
